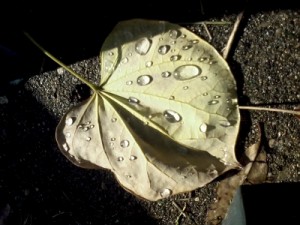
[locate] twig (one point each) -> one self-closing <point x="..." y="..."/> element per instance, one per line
<point x="232" y="35"/>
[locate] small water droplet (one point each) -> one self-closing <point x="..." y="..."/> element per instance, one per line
<point x="86" y="129"/>
<point x="205" y="94"/>
<point x="88" y="138"/>
<point x="183" y="36"/>
<point x="165" y="192"/>
<point x="228" y="100"/>
<point x="173" y="50"/>
<point x="225" y="123"/>
<point x="110" y="53"/>
<point x="113" y="139"/>
<point x="133" y="100"/>
<point x="160" y="39"/>
<point x="68" y="134"/>
<point x="166" y="74"/>
<point x="143" y="45"/>
<point x="186" y="72"/>
<point x="88" y="122"/>
<point x="173" y="42"/>
<point x="149" y="63"/>
<point x="174" y="34"/>
<point x="70" y="121"/>
<point x="92" y="126"/>
<point x="132" y="157"/>
<point x="124" y="143"/>
<point x="113" y="120"/>
<point x="130" y="54"/>
<point x="190" y="59"/>
<point x="129" y="82"/>
<point x="203" y="127"/>
<point x="128" y="176"/>
<point x="194" y="41"/>
<point x="186" y="47"/>
<point x="213" y="102"/>
<point x="125" y="60"/>
<point x="66" y="147"/>
<point x="120" y="158"/>
<point x="185" y="87"/>
<point x="175" y="57"/>
<point x="217" y="96"/>
<point x="144" y="80"/>
<point x="172" y="97"/>
<point x="164" y="49"/>
<point x="203" y="78"/>
<point x="172" y="116"/>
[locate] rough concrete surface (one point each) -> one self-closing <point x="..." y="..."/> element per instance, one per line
<point x="38" y="185"/>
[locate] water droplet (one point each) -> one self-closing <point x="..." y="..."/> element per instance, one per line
<point x="144" y="80"/>
<point x="128" y="176"/>
<point x="194" y="41"/>
<point x="172" y="97"/>
<point x="228" y="100"/>
<point x="173" y="50"/>
<point x="160" y="39"/>
<point x="113" y="120"/>
<point x="120" y="158"/>
<point x="186" y="72"/>
<point x="225" y="123"/>
<point x="92" y="126"/>
<point x="129" y="82"/>
<point x="88" y="138"/>
<point x="130" y="54"/>
<point x="143" y="45"/>
<point x="190" y="59"/>
<point x="203" y="127"/>
<point x="172" y="116"/>
<point x="125" y="60"/>
<point x="217" y="96"/>
<point x="132" y="157"/>
<point x="113" y="139"/>
<point x="124" y="143"/>
<point x="164" y="49"/>
<point x="86" y="129"/>
<point x="205" y="94"/>
<point x="165" y="192"/>
<point x="185" y="87"/>
<point x="183" y="36"/>
<point x="110" y="53"/>
<point x="213" y="102"/>
<point x="70" y="121"/>
<point x="166" y="74"/>
<point x="175" y="57"/>
<point x="68" y="134"/>
<point x="186" y="47"/>
<point x="174" y="34"/>
<point x="173" y="42"/>
<point x="66" y="147"/>
<point x="149" y="63"/>
<point x="133" y="100"/>
<point x="204" y="78"/>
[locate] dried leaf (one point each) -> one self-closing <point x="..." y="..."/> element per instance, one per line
<point x="163" y="119"/>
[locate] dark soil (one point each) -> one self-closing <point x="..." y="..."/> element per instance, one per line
<point x="38" y="185"/>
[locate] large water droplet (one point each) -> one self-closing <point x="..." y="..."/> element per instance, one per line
<point x="143" y="45"/>
<point x="186" y="72"/>
<point x="70" y="121"/>
<point x="166" y="192"/>
<point x="166" y="74"/>
<point x="66" y="147"/>
<point x="175" y="57"/>
<point x="203" y="127"/>
<point x="172" y="116"/>
<point x="174" y="34"/>
<point x="133" y="100"/>
<point x="213" y="102"/>
<point x="144" y="80"/>
<point x="132" y="157"/>
<point x="164" y="49"/>
<point x="124" y="143"/>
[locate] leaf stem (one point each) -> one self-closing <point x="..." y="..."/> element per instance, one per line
<point x="82" y="79"/>
<point x="270" y="109"/>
